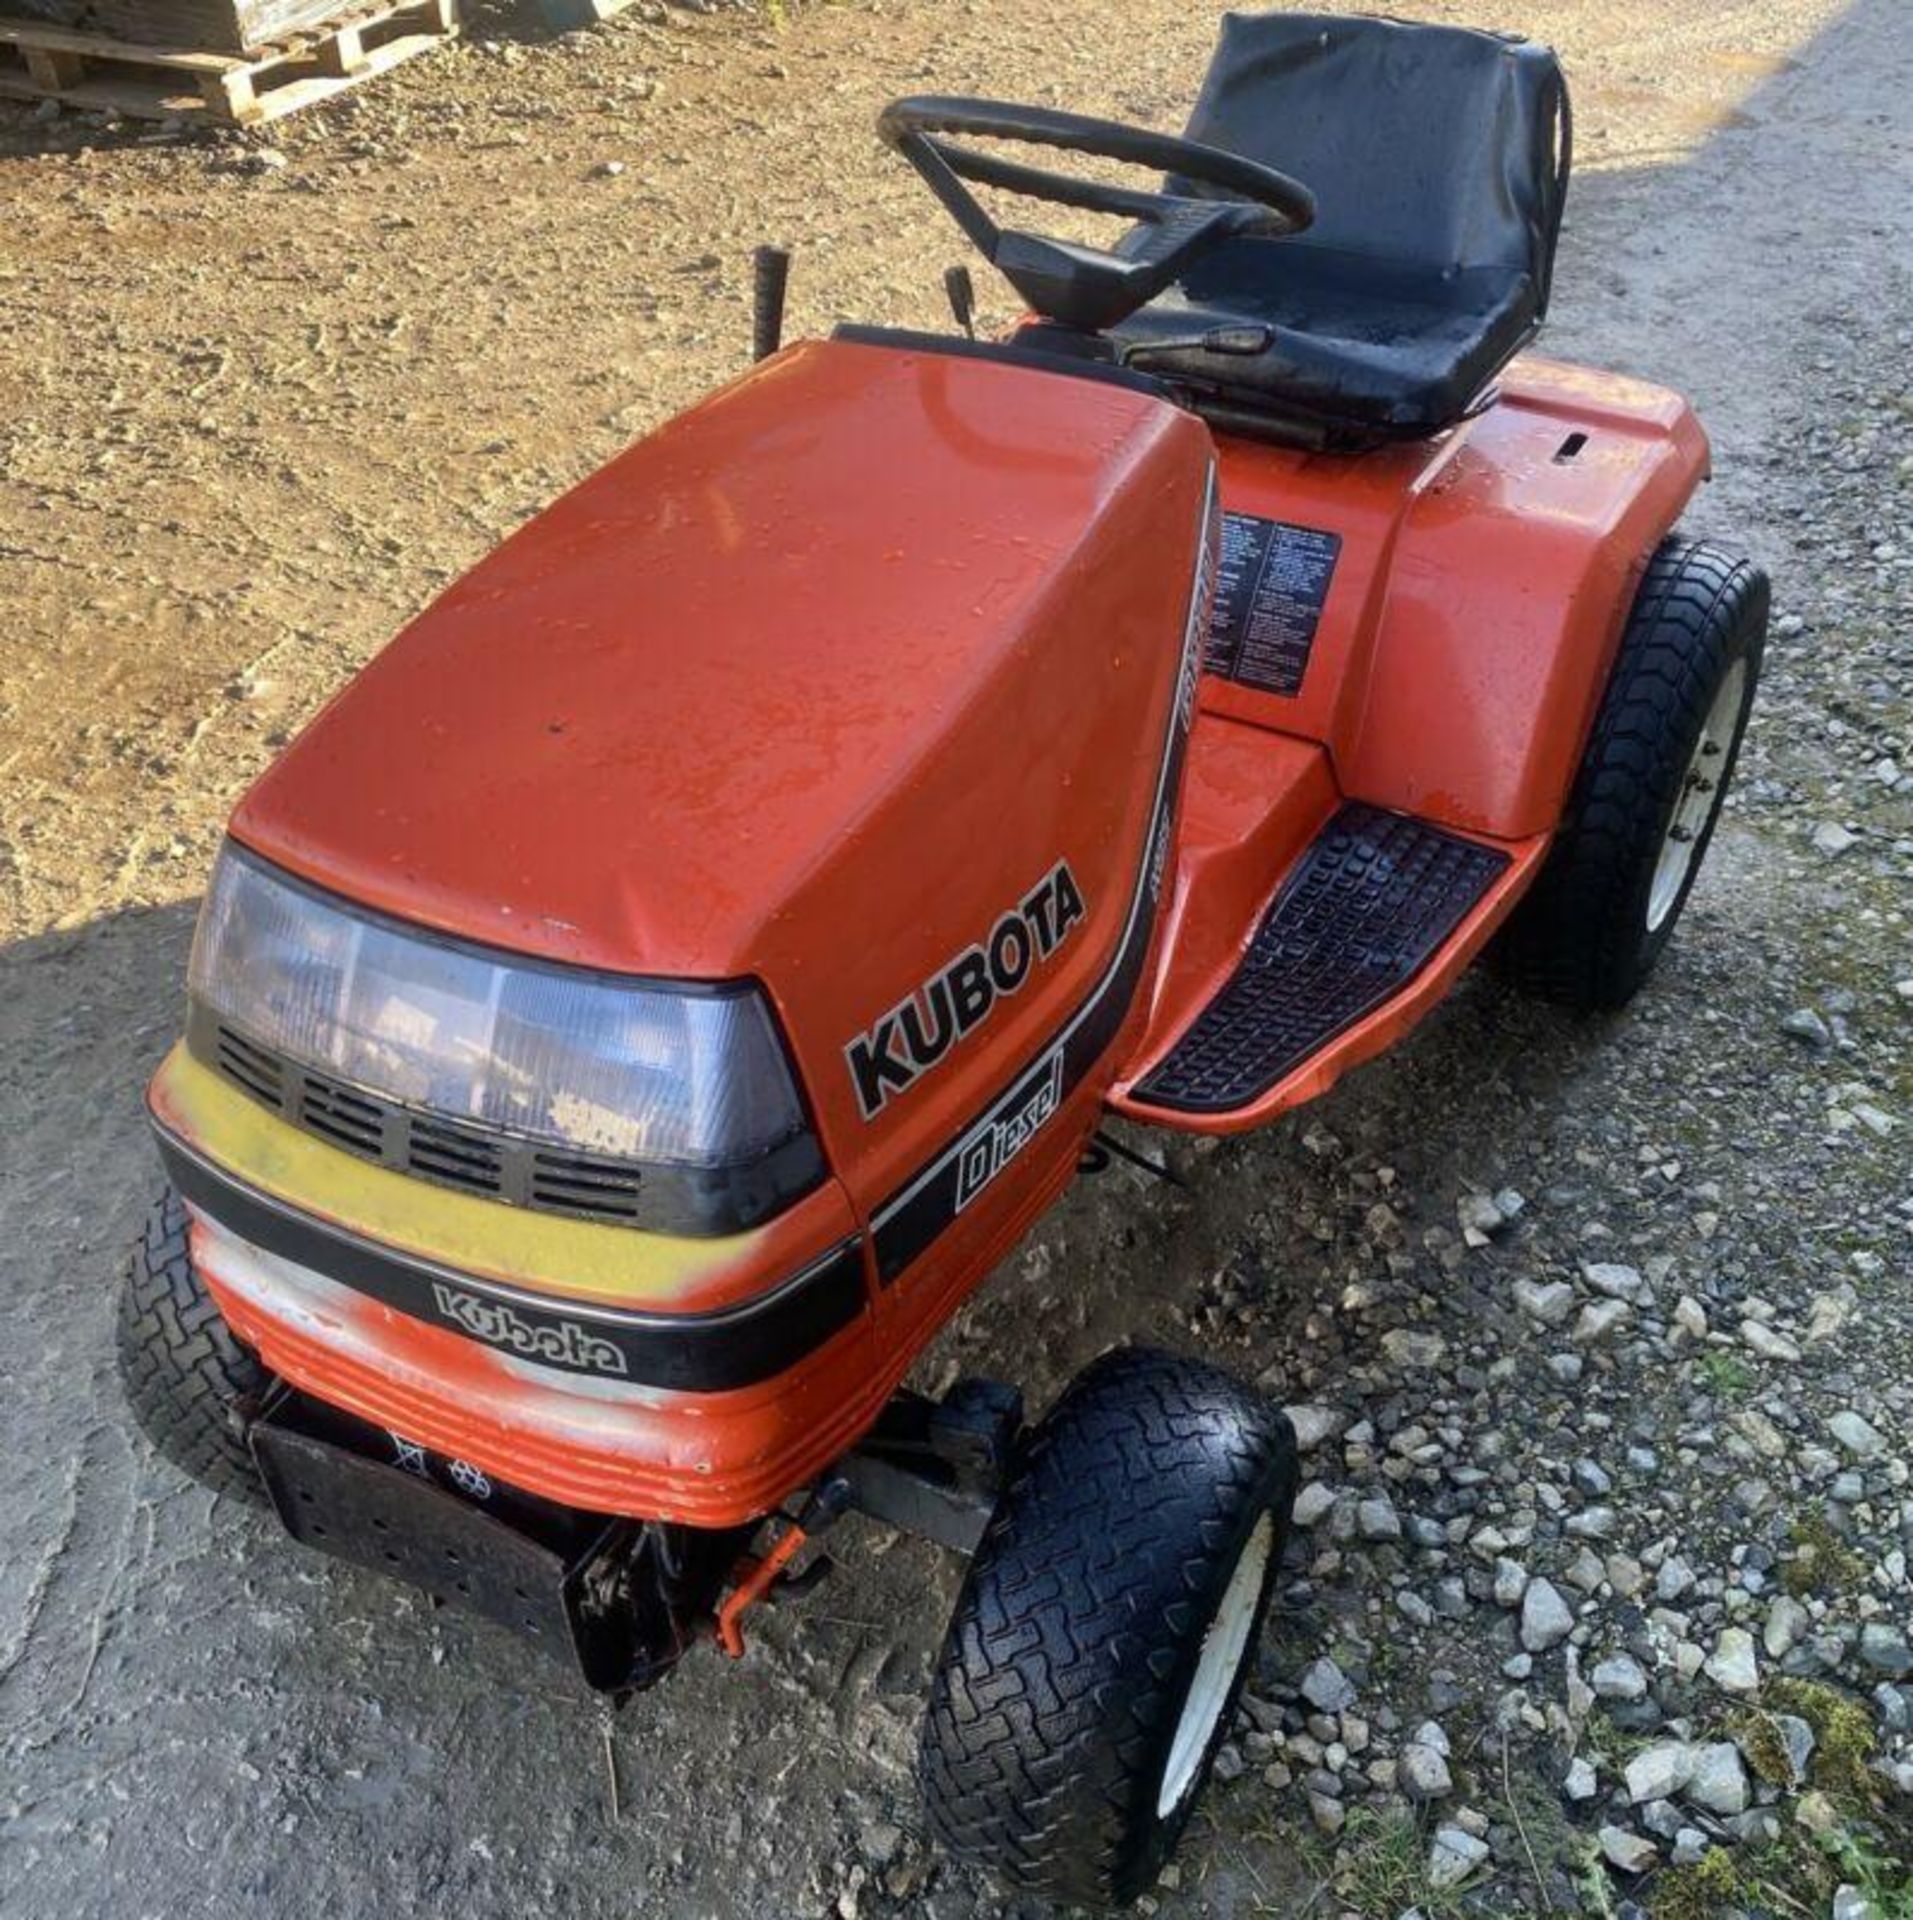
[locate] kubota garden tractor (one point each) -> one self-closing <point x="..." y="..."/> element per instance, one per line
<point x="661" y="986"/>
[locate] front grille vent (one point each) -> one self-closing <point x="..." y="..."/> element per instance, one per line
<point x="573" y="1183"/>
<point x="348" y="1118"/>
<point x="253" y="1067"/>
<point x="455" y="1155"/>
<point x="498" y="1166"/>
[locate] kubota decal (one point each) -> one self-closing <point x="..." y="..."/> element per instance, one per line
<point x="562" y="1343"/>
<point x="916" y="1033"/>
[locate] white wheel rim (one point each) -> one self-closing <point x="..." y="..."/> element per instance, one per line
<point x="1224" y="1647"/>
<point x="1700" y="798"/>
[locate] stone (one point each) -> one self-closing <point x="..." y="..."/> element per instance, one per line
<point x="1719" y="1780"/>
<point x="1732" y="1666"/>
<point x="1859" y="1439"/>
<point x="1410" y="1351"/>
<point x="1625" y="1575"/>
<point x="1690" y="1317"/>
<point x="1581" y="1781"/>
<point x="1851" y="1903"/>
<point x="1377" y="1519"/>
<point x="1326" y="1687"/>
<point x="1549" y="1302"/>
<point x="1884" y="1648"/>
<point x="1312" y="1503"/>
<point x="1511" y="1582"/>
<point x="1630" y="1852"/>
<point x="1832" y="839"/>
<point x="1328" y="1813"/>
<point x="1546" y="1619"/>
<point x="1804" y="1024"/>
<point x="1661" y="1818"/>
<point x="1454" y="1855"/>
<point x="1760" y="1433"/>
<point x="1786" y="1626"/>
<point x="1593" y="1523"/>
<point x="1674" y="1578"/>
<point x="1619" y="1677"/>
<point x="1827" y="1316"/>
<point x="1690" y="1845"/>
<point x="1598" y="1319"/>
<point x="1613" y="1279"/>
<point x="1422" y="1773"/>
<point x="1759" y="1338"/>
<point x="1313" y="1425"/>
<point x="1660" y="1771"/>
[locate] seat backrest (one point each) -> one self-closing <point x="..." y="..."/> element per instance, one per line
<point x="1426" y="145"/>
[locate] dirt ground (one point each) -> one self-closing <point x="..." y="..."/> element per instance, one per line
<point x="258" y="402"/>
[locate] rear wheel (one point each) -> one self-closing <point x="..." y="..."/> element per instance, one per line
<point x="1649" y="790"/>
<point x="184" y="1374"/>
<point x="1109" y="1619"/>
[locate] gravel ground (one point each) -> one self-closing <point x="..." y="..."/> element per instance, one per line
<point x="1607" y="1379"/>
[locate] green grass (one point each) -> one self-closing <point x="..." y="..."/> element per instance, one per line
<point x="1379" y="1869"/>
<point x="1724" y="1374"/>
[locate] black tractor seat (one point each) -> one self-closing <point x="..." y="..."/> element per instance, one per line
<point x="1439" y="160"/>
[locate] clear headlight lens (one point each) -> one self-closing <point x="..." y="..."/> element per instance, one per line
<point x="681" y="1076"/>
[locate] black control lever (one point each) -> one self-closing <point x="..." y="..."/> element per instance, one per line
<point x="770" y="277"/>
<point x="1245" y="342"/>
<point x="961" y="290"/>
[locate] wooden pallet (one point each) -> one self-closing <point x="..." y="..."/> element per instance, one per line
<point x="39" y="61"/>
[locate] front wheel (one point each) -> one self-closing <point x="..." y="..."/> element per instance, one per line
<point x="188" y="1381"/>
<point x="1109" y="1620"/>
<point x="1651" y="783"/>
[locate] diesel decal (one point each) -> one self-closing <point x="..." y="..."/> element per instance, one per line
<point x="564" y="1343"/>
<point x="914" y="1035"/>
<point x="1004" y="1135"/>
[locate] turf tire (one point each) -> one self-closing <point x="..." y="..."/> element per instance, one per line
<point x="184" y="1374"/>
<point x="1079" y="1630"/>
<point x="1582" y="936"/>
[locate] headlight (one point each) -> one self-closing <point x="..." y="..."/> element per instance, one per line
<point x="691" y="1077"/>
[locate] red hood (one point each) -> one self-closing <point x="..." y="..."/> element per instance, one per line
<point x="626" y="737"/>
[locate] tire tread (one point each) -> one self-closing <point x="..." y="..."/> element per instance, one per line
<point x="182" y="1370"/>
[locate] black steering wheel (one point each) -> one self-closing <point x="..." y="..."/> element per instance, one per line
<point x="1081" y="286"/>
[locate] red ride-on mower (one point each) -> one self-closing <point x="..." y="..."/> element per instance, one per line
<point x="648" y="1000"/>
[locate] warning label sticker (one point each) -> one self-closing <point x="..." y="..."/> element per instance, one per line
<point x="1269" y="596"/>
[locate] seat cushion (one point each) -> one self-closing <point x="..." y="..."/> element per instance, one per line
<point x="1438" y="157"/>
<point x="1385" y="351"/>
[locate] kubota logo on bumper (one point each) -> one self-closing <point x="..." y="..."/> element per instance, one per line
<point x="914" y="1035"/>
<point x="562" y="1343"/>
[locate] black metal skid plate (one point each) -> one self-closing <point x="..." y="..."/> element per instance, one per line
<point x="333" y="1497"/>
